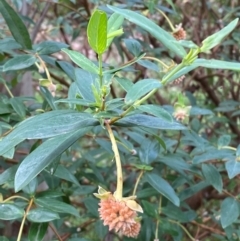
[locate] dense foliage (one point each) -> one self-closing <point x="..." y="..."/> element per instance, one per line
<point x="119" y="121"/>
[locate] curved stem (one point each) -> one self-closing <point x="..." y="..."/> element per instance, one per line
<point x="184" y="229"/>
<point x="168" y="20"/>
<point x="157" y="60"/>
<point x="23" y="220"/>
<point x="118" y="193"/>
<point x="6" y="87"/>
<point x="13" y="197"/>
<point x="137" y="182"/>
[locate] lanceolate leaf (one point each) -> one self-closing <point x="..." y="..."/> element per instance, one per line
<point x="151" y="122"/>
<point x="97" y="31"/>
<point x="37" y="231"/>
<point x="41" y="157"/>
<point x="82" y="61"/>
<point x="216" y="38"/>
<point x="212" y="176"/>
<point x="229" y="211"/>
<point x="114" y="23"/>
<point x="15" y="24"/>
<point x="10" y="211"/>
<point x="41" y="215"/>
<point x="163" y="187"/>
<point x="141" y="88"/>
<point x="19" y="62"/>
<point x="46" y="125"/>
<point x="163" y="36"/>
<point x="56" y="206"/>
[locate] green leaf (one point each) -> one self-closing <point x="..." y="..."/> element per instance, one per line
<point x="41" y="157"/>
<point x="126" y="84"/>
<point x="224" y="140"/>
<point x="163" y="187"/>
<point x="233" y="168"/>
<point x="19" y="62"/>
<point x="2" y="238"/>
<point x="133" y="46"/>
<point x="31" y="187"/>
<point x="48" y="97"/>
<point x="215" y="39"/>
<point x="84" y="81"/>
<point x="63" y="173"/>
<point x="41" y="215"/>
<point x="129" y="63"/>
<point x="7" y="44"/>
<point x="37" y="231"/>
<point x="157" y="111"/>
<point x="8" y="175"/>
<point x="150" y="122"/>
<point x="18" y="106"/>
<point x="207" y="63"/>
<point x="149" y="65"/>
<point x="80" y="60"/>
<point x="149" y="151"/>
<point x="97" y="31"/>
<point x="113" y="24"/>
<point x="176" y="213"/>
<point x="149" y="209"/>
<point x="46" y="125"/>
<point x="212" y="154"/>
<point x="15" y="24"/>
<point x="212" y="175"/>
<point x="229" y="211"/>
<point x="141" y="88"/>
<point x="49" y="47"/>
<point x="10" y="211"/>
<point x="56" y="206"/>
<point x="160" y="34"/>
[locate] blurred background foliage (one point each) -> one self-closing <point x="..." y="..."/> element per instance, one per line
<point x="214" y="95"/>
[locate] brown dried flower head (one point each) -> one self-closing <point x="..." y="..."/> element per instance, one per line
<point x="119" y="215"/>
<point x="179" y="33"/>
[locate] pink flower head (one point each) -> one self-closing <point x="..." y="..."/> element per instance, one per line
<point x="120" y="215"/>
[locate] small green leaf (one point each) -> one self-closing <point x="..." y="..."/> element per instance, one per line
<point x="63" y="173"/>
<point x="216" y="38"/>
<point x="224" y="140"/>
<point x="97" y="31"/>
<point x="126" y="84"/>
<point x="45" y="82"/>
<point x="212" y="176"/>
<point x="157" y="111"/>
<point x="10" y="211"/>
<point x="41" y="215"/>
<point x="212" y="154"/>
<point x="19" y="62"/>
<point x="84" y="81"/>
<point x="150" y="122"/>
<point x="133" y="46"/>
<point x="141" y="88"/>
<point x="80" y="60"/>
<point x="229" y="211"/>
<point x="37" y="231"/>
<point x="233" y="168"/>
<point x="8" y="175"/>
<point x="163" y="187"/>
<point x="16" y="25"/>
<point x="49" y="47"/>
<point x="7" y="44"/>
<point x="31" y="187"/>
<point x="160" y="34"/>
<point x="18" y="106"/>
<point x="113" y="24"/>
<point x="56" y="206"/>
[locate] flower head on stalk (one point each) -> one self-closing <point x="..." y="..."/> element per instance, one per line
<point x="119" y="214"/>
